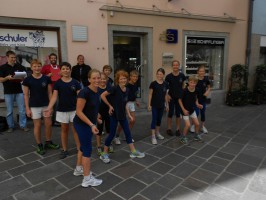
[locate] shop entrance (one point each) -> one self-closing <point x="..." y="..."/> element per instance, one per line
<point x="127" y="51"/>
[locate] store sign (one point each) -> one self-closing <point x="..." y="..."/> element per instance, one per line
<point x="205" y="41"/>
<point x="170" y="36"/>
<point x="28" y="38"/>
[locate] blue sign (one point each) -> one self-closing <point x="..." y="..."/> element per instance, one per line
<point x="172" y="36"/>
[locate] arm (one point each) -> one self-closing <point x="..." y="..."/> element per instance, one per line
<point x="50" y="91"/>
<point x="79" y="111"/>
<point x="128" y="113"/>
<point x="149" y="99"/>
<point x="7" y="78"/>
<point x="26" y="99"/>
<point x="103" y="97"/>
<point x="208" y="91"/>
<point x="166" y="103"/>
<point x="51" y="103"/>
<point x="198" y="105"/>
<point x="182" y="107"/>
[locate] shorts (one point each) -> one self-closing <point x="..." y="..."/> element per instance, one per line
<point x="131" y="106"/>
<point x="65" y="117"/>
<point x="193" y="115"/>
<point x="37" y="112"/>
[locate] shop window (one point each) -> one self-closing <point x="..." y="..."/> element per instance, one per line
<point x="28" y="45"/>
<point x="208" y="52"/>
<point x="262" y="55"/>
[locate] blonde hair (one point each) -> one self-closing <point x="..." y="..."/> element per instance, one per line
<point x="118" y="74"/>
<point x="92" y="72"/>
<point x="134" y="72"/>
<point x="193" y="78"/>
<point x="35" y="61"/>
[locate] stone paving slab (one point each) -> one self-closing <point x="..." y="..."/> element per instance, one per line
<point x="229" y="165"/>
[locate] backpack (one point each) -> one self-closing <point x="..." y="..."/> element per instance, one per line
<point x="3" y="124"/>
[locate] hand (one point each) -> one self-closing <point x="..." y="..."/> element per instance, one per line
<point x="47" y="112"/>
<point x="130" y="118"/>
<point x="149" y="108"/>
<point x="50" y="74"/>
<point x="137" y="104"/>
<point x="28" y="113"/>
<point x="94" y="130"/>
<point x="185" y="112"/>
<point x="111" y="110"/>
<point x="9" y="77"/>
<point x="200" y="106"/>
<point x="167" y="108"/>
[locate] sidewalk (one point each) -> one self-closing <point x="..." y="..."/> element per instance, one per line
<point x="230" y="165"/>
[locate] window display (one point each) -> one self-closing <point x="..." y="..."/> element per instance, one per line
<point x="208" y="52"/>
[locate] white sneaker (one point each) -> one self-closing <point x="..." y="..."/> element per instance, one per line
<point x="117" y="141"/>
<point x="78" y="172"/>
<point x="91" y="181"/>
<point x="137" y="154"/>
<point x="159" y="136"/>
<point x="204" y="130"/>
<point x="192" y="128"/>
<point x="105" y="158"/>
<point x="153" y="140"/>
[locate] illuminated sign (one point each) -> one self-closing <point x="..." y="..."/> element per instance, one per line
<point x="169" y="36"/>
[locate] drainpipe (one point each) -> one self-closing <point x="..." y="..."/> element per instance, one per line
<point x="250" y="20"/>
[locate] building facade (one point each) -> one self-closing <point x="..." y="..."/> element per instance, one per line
<point x="142" y="35"/>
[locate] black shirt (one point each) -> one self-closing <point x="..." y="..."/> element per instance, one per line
<point x="175" y="84"/>
<point x="67" y="94"/>
<point x="110" y="82"/>
<point x="38" y="90"/>
<point x="202" y="87"/>
<point x="91" y="106"/>
<point x="103" y="109"/>
<point x="80" y="73"/>
<point x="11" y="86"/>
<point x="132" y="91"/>
<point x="158" y="94"/>
<point x="118" y="100"/>
<point x="189" y="100"/>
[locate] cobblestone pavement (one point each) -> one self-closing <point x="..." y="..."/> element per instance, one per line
<point x="229" y="165"/>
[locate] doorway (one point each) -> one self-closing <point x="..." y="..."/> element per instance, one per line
<point x="127" y="51"/>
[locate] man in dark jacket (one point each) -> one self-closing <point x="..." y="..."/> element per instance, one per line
<point x="80" y="71"/>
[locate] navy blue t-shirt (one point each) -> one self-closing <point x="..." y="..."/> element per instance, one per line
<point x="132" y="91"/>
<point x="103" y="109"/>
<point x="118" y="100"/>
<point x="67" y="94"/>
<point x="202" y="87"/>
<point x="158" y="94"/>
<point x="175" y="84"/>
<point x="38" y="90"/>
<point x="91" y="107"/>
<point x="189" y="100"/>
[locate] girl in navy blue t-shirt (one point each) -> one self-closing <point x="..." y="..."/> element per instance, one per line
<point x="37" y="92"/>
<point x="117" y="99"/>
<point x="103" y="111"/>
<point x="204" y="87"/>
<point x="156" y="104"/>
<point x="88" y="102"/>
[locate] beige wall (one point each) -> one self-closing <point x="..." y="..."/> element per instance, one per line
<point x="82" y="12"/>
<point x="78" y="12"/>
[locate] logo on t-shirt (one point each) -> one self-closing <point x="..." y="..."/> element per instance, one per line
<point x="73" y="88"/>
<point x="44" y="84"/>
<point x="180" y="80"/>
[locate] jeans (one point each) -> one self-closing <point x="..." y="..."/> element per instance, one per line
<point x="157" y="114"/>
<point x="9" y="100"/>
<point x="113" y="126"/>
<point x="201" y="111"/>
